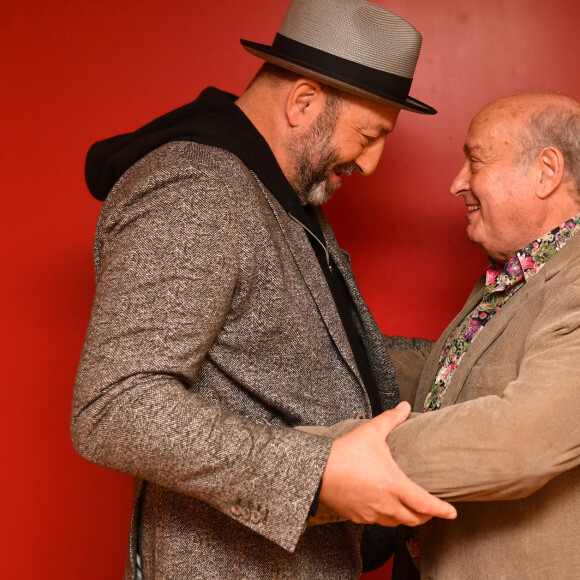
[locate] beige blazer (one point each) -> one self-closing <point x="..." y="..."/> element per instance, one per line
<point x="505" y="446"/>
<point x="213" y="330"/>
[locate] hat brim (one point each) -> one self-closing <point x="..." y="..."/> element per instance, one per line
<point x="349" y="85"/>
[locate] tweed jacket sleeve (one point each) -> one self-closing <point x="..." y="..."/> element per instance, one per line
<point x="166" y="390"/>
<point x="509" y="420"/>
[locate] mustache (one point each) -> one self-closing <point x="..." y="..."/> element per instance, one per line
<point x="346" y="168"/>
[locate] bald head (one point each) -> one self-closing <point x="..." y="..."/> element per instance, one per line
<point x="531" y="122"/>
<point x="526" y="104"/>
<point x="521" y="174"/>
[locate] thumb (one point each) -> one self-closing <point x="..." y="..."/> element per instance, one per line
<point x="387" y="421"/>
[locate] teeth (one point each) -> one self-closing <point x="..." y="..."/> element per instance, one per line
<point x="473" y="207"/>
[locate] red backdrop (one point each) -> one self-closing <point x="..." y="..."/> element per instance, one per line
<point x="74" y="72"/>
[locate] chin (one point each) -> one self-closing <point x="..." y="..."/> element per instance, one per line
<point x="321" y="193"/>
<point x="472" y="236"/>
<point x="481" y="243"/>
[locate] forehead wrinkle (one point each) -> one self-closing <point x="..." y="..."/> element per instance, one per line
<point x="382" y="130"/>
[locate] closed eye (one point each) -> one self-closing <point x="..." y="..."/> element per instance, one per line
<point x="474" y="164"/>
<point x="369" y="138"/>
<point x="378" y="132"/>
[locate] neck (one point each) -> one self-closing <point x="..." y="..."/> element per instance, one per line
<point x="264" y="105"/>
<point x="560" y="206"/>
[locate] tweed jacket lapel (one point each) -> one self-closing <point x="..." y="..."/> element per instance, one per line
<point x="314" y="279"/>
<point x="372" y="336"/>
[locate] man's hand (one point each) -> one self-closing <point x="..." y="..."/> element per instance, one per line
<point x="363" y="483"/>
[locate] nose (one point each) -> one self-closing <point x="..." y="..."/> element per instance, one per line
<point x="461" y="181"/>
<point x="370" y="156"/>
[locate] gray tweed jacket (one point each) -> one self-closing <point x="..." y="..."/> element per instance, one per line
<point x="212" y="332"/>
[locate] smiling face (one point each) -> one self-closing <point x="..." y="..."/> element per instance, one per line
<point x="503" y="212"/>
<point x="339" y="142"/>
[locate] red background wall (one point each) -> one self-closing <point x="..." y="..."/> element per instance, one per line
<point x="74" y="72"/>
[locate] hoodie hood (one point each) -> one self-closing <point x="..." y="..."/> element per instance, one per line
<point x="212" y="119"/>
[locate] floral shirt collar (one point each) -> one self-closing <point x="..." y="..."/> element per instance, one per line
<point x="529" y="259"/>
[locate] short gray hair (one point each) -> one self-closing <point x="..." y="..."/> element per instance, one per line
<point x="553" y="126"/>
<point x="334" y="97"/>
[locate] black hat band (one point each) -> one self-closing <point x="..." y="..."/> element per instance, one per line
<point x="341" y="69"/>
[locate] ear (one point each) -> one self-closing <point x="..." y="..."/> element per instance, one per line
<point x="305" y="101"/>
<point x="550" y="171"/>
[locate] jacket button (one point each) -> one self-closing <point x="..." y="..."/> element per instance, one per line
<point x="236" y="510"/>
<point x="255" y="517"/>
<point x="246" y="514"/>
<point x="361" y="415"/>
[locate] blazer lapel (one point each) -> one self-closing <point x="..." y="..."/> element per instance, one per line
<point x="481" y="343"/>
<point x="370" y="333"/>
<point x="309" y="268"/>
<point x="432" y="365"/>
<point x="483" y="340"/>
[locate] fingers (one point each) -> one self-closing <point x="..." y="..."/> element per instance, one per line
<point x="381" y="425"/>
<point x="362" y="481"/>
<point x="401" y="514"/>
<point x="418" y="502"/>
<point x="421" y="503"/>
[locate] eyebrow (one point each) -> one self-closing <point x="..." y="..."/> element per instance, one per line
<point x="381" y="129"/>
<point x="469" y="149"/>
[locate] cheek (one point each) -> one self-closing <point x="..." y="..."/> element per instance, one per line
<point x="346" y="146"/>
<point x="493" y="193"/>
<point x="503" y="218"/>
<point x="347" y="152"/>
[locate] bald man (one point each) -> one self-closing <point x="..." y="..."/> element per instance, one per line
<point x="497" y="400"/>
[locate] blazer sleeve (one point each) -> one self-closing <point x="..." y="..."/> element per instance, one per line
<point x="170" y="265"/>
<point x="408" y="356"/>
<point x="507" y="445"/>
<point x="408" y="365"/>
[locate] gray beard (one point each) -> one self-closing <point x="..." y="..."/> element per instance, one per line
<point x="314" y="159"/>
<point x="320" y="193"/>
<point x="313" y="185"/>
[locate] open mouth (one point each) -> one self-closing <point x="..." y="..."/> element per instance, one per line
<point x="473" y="208"/>
<point x="345" y="169"/>
<point x="335" y="177"/>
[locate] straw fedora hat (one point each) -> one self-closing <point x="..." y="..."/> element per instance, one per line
<point x="352" y="45"/>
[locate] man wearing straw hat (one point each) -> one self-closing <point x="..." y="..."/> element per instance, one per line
<point x="225" y="313"/>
